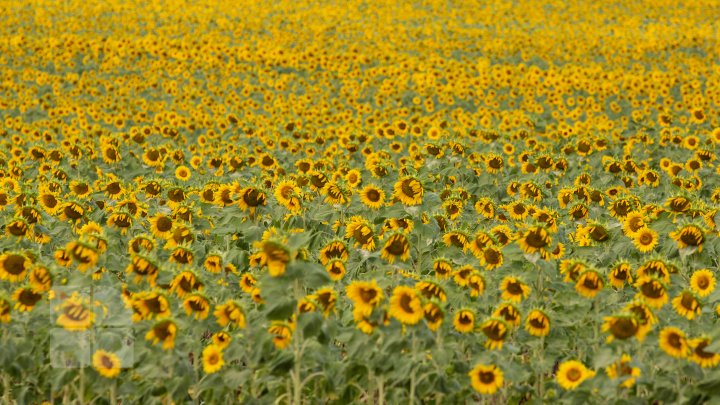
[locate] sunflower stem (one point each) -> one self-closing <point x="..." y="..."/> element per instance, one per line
<point x="113" y="393"/>
<point x="7" y="395"/>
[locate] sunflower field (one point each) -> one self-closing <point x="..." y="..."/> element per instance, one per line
<point x="372" y="202"/>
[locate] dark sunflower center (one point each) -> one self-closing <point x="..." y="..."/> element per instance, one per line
<point x="620" y="274"/>
<point x="397" y="247"/>
<point x="494" y="331"/>
<point x="703" y="283"/>
<point x="599" y="234"/>
<point x="164" y="224"/>
<point x="624" y="328"/>
<point x="691" y="238"/>
<point x="700" y="352"/>
<point x="15" y="264"/>
<point x="536" y="239"/>
<point x="373" y="195"/>
<point x="537" y="323"/>
<point x="688" y="302"/>
<point x="408" y="188"/>
<point x="574" y="374"/>
<point x="362" y="234"/>
<point x="368" y="294"/>
<point x="154" y="305"/>
<point x="405" y="301"/>
<point x="514" y="288"/>
<point x="465" y="319"/>
<point x="29" y="297"/>
<point x="591" y="282"/>
<point x="107" y="362"/>
<point x="162" y="332"/>
<point x="486" y="377"/>
<point x="652" y="290"/>
<point x="113" y="188"/>
<point x="646" y="238"/>
<point x="76" y="313"/>
<point x="492" y="256"/>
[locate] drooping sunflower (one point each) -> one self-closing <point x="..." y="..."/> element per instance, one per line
<point x="40" y="278"/>
<point x="75" y="314"/>
<point x="509" y="313"/>
<point x="651" y="290"/>
<point x="434" y="315"/>
<point x="360" y="229"/>
<point x="430" y="289"/>
<point x="84" y="254"/>
<point x="372" y="196"/>
<point x="149" y="305"/>
<point x="623" y="370"/>
<point x="397" y="246"/>
<point x="589" y="283"/>
<point x="197" y="305"/>
<point x="26" y="298"/>
<point x="537" y="323"/>
<point x="476" y="283"/>
<point x="405" y="305"/>
<point x="247" y="282"/>
<point x="289" y="195"/>
<point x="620" y="274"/>
<point x="165" y="332"/>
<point x="221" y="339"/>
<point x="689" y="236"/>
<point x="486" y="379"/>
<point x="464" y="321"/>
<point x="185" y="283"/>
<point x="5" y="309"/>
<point x="633" y="222"/>
<point x="491" y="258"/>
<point x="702" y="282"/>
<point x="673" y="342"/>
<point x="687" y="304"/>
<point x="622" y="326"/>
<point x="535" y="240"/>
<point x="570" y="374"/>
<point x="335" y="249"/>
<point x="496" y="331"/>
<point x="699" y="355"/>
<point x="326" y="297"/>
<point x="335" y="269"/>
<point x="14" y="266"/>
<point x="655" y="267"/>
<point x="442" y="268"/>
<point x="213" y="263"/>
<point x="409" y="191"/>
<point x="365" y="295"/>
<point x="107" y="364"/>
<point x="282" y="334"/>
<point x="276" y="257"/>
<point x="514" y="289"/>
<point x="212" y="357"/>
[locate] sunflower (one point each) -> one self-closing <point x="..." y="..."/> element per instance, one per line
<point x="537" y="323"/>
<point x="182" y="173"/>
<point x="651" y="290"/>
<point x="107" y="364"/>
<point x="509" y="313"/>
<point x="456" y="238"/>
<point x="289" y="195"/>
<point x="645" y="239"/>
<point x="326" y="298"/>
<point x="71" y="211"/>
<point x="360" y="229"/>
<point x="276" y="257"/>
<point x="430" y="289"/>
<point x="477" y="244"/>
<point x="687" y="304"/>
<point x="535" y="240"/>
<point x="213" y="263"/>
<point x="212" y="357"/>
<point x="702" y="282"/>
<point x="143" y="267"/>
<point x="120" y="220"/>
<point x="165" y="332"/>
<point x="442" y="268"/>
<point x="365" y="295"/>
<point x="623" y="326"/>
<point x="251" y="198"/>
<point x="197" y="305"/>
<point x="689" y="236"/>
<point x="149" y="305"/>
<point x="476" y="283"/>
<point x="570" y="374"/>
<point x="620" y="274"/>
<point x="247" y="282"/>
<point x="434" y="315"/>
<point x="633" y="222"/>
<point x="221" y="339"/>
<point x="405" y="305"/>
<point x="396" y="247"/>
<point x="589" y="283"/>
<point x="673" y="342"/>
<point x="496" y="331"/>
<point x="185" y="283"/>
<point x="75" y="315"/>
<point x="622" y="369"/>
<point x="161" y="226"/>
<point x="514" y="289"/>
<point x="282" y="334"/>
<point x="83" y="253"/>
<point x="409" y="191"/>
<point x="372" y="196"/>
<point x="486" y="379"/>
<point x="700" y="356"/>
<point x="485" y="207"/>
<point x="464" y="321"/>
<point x="40" y="278"/>
<point x="14" y="266"/>
<point x="655" y="267"/>
<point x="26" y="298"/>
<point x="336" y="249"/>
<point x="336" y="269"/>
